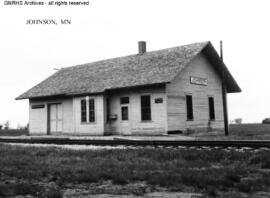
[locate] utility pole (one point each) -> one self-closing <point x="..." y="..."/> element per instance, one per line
<point x="224" y="95"/>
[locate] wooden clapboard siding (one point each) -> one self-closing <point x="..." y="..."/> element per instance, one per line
<point x="176" y="112"/>
<point x="180" y="87"/>
<point x="68" y="116"/>
<point x="157" y="125"/>
<point x="134" y="126"/>
<point x="38" y="118"/>
<point x="95" y="128"/>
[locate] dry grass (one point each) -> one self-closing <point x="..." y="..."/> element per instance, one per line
<point x="29" y="170"/>
<point x="239" y="132"/>
<point x="13" y="132"/>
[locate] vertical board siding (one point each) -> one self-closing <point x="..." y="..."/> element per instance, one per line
<point x="180" y="87"/>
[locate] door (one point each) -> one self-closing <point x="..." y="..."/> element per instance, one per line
<point x="56" y="120"/>
<point x="125" y="128"/>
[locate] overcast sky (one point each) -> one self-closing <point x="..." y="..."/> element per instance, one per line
<point x="108" y="29"/>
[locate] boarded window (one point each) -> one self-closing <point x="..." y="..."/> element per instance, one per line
<point x="146" y="108"/>
<point x="189" y="107"/>
<point x="83" y="111"/>
<point x="211" y="108"/>
<point x="91" y="110"/>
<point x="124" y="113"/>
<point x="124" y="100"/>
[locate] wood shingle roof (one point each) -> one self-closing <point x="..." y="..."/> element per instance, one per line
<point x="135" y="70"/>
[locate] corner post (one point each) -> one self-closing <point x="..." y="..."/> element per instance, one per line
<point x="224" y="95"/>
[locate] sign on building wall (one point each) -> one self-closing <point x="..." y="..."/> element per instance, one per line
<point x="158" y="100"/>
<point x="38" y="106"/>
<point x="198" y="81"/>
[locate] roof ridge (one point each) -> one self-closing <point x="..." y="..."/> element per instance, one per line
<point x="131" y="55"/>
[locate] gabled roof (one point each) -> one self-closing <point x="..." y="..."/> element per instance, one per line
<point x="150" y="68"/>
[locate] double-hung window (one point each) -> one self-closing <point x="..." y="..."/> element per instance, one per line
<point x="83" y="111"/>
<point x="88" y="111"/>
<point x="91" y="110"/>
<point x="146" y="108"/>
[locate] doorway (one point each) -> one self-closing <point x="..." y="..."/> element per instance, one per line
<point x="55" y="118"/>
<point x="125" y="128"/>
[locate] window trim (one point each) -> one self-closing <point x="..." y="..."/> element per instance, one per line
<point x="187" y="114"/>
<point x="124" y="105"/>
<point x="150" y="96"/>
<point x="87" y="111"/>
<point x="92" y="99"/>
<point x="81" y="112"/>
<point x="209" y="108"/>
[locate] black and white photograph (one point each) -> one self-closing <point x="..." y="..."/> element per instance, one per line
<point x="134" y="99"/>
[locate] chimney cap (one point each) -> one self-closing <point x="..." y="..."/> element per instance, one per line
<point x="142" y="47"/>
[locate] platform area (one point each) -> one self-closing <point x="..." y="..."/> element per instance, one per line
<point x="113" y="137"/>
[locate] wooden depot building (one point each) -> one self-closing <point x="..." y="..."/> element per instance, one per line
<point x="150" y="93"/>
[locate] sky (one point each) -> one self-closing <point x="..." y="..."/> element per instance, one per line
<point x="107" y="29"/>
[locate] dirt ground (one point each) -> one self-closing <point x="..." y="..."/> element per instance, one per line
<point x="135" y="190"/>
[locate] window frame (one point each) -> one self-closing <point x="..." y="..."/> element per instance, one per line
<point x="125" y="118"/>
<point x="150" y="108"/>
<point x="87" y="101"/>
<point x="189" y="109"/>
<point x="124" y="105"/>
<point x="83" y="111"/>
<point x="211" y="108"/>
<point x="122" y="102"/>
<point x="91" y="110"/>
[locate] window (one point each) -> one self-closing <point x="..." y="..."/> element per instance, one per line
<point x="124" y="112"/>
<point x="90" y="115"/>
<point x="124" y="100"/>
<point x="83" y="111"/>
<point x="211" y="108"/>
<point x="189" y="107"/>
<point x="108" y="108"/>
<point x="91" y="110"/>
<point x="146" y="108"/>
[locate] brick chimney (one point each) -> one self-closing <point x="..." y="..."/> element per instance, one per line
<point x="142" y="47"/>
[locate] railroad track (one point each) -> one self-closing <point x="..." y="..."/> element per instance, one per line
<point x="154" y="143"/>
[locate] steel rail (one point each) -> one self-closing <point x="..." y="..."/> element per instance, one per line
<point x="154" y="143"/>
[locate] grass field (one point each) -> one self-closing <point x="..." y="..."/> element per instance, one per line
<point x="13" y="132"/>
<point x="55" y="172"/>
<point x="238" y="132"/>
